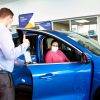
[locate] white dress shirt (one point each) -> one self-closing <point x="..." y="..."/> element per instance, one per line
<point x="8" y="52"/>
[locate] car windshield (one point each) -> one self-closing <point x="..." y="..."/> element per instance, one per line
<point x="85" y="41"/>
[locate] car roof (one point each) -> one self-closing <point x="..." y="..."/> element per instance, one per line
<point x="30" y="31"/>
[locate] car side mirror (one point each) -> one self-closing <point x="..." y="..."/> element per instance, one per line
<point x="85" y="58"/>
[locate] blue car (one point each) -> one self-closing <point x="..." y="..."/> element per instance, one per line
<point x="78" y="79"/>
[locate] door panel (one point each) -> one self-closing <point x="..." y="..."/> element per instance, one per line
<point x="61" y="81"/>
<point x="21" y="74"/>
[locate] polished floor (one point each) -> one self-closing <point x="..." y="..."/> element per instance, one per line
<point x="23" y="93"/>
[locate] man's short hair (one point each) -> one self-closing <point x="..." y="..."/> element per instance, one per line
<point x="4" y="12"/>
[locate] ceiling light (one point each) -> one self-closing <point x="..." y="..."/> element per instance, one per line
<point x="82" y="21"/>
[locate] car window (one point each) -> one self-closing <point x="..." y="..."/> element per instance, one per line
<point x="71" y="53"/>
<point x="86" y="42"/>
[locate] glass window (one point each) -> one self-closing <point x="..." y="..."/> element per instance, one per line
<point x="74" y="28"/>
<point x="87" y="26"/>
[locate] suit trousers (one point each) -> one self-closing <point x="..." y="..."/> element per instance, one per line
<point x="7" y="91"/>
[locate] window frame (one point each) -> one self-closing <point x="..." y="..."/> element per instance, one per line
<point x="61" y="40"/>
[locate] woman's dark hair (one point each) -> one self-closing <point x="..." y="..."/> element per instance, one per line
<point x="4" y="12"/>
<point x="54" y="41"/>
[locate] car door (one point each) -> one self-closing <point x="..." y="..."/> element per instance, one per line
<point x="61" y="81"/>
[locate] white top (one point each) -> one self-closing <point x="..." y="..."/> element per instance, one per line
<point x="8" y="52"/>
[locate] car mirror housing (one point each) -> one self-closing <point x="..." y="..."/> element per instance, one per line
<point x="85" y="58"/>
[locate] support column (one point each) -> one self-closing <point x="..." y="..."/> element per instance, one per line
<point x="70" y="25"/>
<point x="98" y="28"/>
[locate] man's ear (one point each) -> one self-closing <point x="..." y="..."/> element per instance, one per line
<point x="8" y="17"/>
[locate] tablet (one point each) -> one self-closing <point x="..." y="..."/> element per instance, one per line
<point x="28" y="59"/>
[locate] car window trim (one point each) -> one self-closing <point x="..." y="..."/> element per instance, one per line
<point x="51" y="63"/>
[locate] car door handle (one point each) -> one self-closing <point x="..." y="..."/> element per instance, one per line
<point x="47" y="76"/>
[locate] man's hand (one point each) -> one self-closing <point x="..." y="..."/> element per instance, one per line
<point x="25" y="40"/>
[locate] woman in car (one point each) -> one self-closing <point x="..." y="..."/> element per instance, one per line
<point x="55" y="55"/>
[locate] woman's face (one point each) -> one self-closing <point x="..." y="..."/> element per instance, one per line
<point x="54" y="46"/>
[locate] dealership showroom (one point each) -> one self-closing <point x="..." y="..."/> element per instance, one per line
<point x="49" y="49"/>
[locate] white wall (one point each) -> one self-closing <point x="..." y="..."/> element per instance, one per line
<point x="54" y="9"/>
